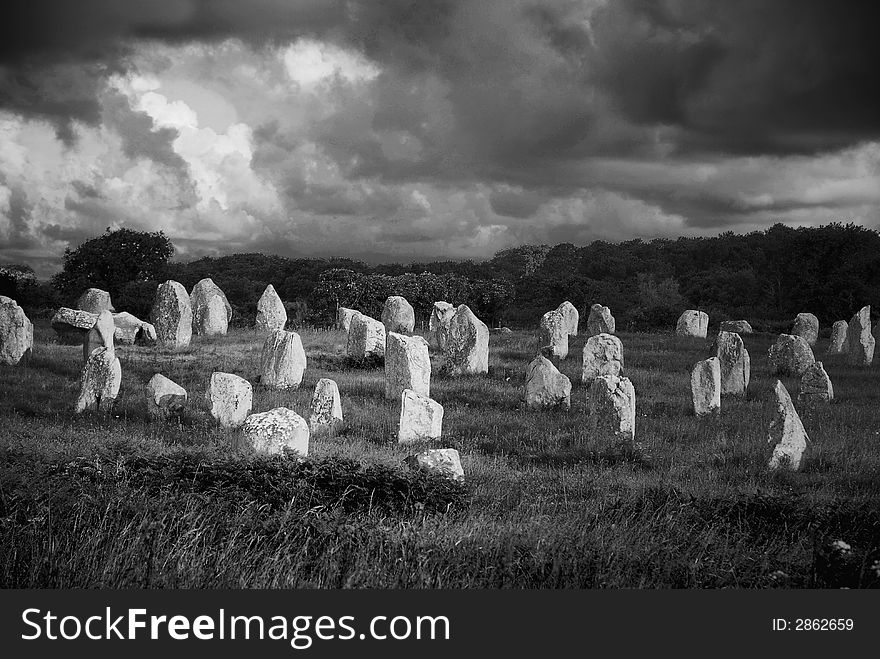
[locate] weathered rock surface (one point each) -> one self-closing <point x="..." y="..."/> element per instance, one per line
<point x="438" y="324"/>
<point x="343" y="318"/>
<point x="366" y="338"/>
<point x="99" y="382"/>
<point x="467" y="344"/>
<point x="737" y="326"/>
<point x="16" y="332"/>
<point x="325" y="410"/>
<point x="211" y="310"/>
<point x="172" y="316"/>
<point x="571" y="315"/>
<point x="130" y="330"/>
<point x="787" y="435"/>
<point x="612" y="405"/>
<point x="806" y="325"/>
<point x="282" y="360"/>
<point x="165" y="398"/>
<point x="94" y="300"/>
<point x="271" y="314"/>
<point x="398" y="315"/>
<point x="421" y="418"/>
<point x="101" y="334"/>
<point x="706" y="386"/>
<point x="445" y="461"/>
<point x="229" y="398"/>
<point x="553" y="333"/>
<point x="736" y="365"/>
<point x="692" y="323"/>
<point x="72" y="325"/>
<point x="816" y="387"/>
<point x="859" y="338"/>
<point x="279" y="431"/>
<point x="545" y="386"/>
<point x="407" y="365"/>
<point x="838" y="344"/>
<point x="600" y="321"/>
<point x="602" y="355"/>
<point x="790" y="355"/>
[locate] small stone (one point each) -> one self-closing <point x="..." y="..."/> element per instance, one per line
<point x="130" y="329"/>
<point x="602" y="355"/>
<point x="612" y="405"/>
<point x="545" y="386"/>
<point x="94" y="300"/>
<point x="407" y="365"/>
<point x="99" y="382"/>
<point x="445" y="461"/>
<point x="786" y="434"/>
<point x="421" y="418"/>
<point x="271" y="314"/>
<point x="790" y="355"/>
<point x="229" y="398"/>
<point x="600" y="321"/>
<point x="806" y="325"/>
<point x="553" y="332"/>
<point x="366" y="338"/>
<point x="325" y="410"/>
<point x="816" y="387"/>
<point x="692" y="323"/>
<point x="282" y="360"/>
<point x="737" y="327"/>
<point x="16" y="332"/>
<point x="277" y="432"/>
<point x="706" y="386"/>
<point x="165" y="398"/>
<point x="398" y="315"/>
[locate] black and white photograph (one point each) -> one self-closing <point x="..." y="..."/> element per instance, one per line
<point x="439" y="295"/>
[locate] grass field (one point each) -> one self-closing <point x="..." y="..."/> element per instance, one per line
<point x="120" y="501"/>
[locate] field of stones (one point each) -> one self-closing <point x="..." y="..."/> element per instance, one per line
<point x="377" y="454"/>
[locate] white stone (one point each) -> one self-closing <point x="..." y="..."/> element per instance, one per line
<point x="600" y="321"/>
<point x="229" y="398"/>
<point x="398" y="315"/>
<point x="16" y="332"/>
<point x="343" y="318"/>
<point x="736" y="365"/>
<point x="790" y="355"/>
<point x="706" y="386"/>
<point x="282" y="360"/>
<point x="445" y="461"/>
<point x="692" y="323"/>
<point x="99" y="381"/>
<point x="271" y="314"/>
<point x="553" y="333"/>
<point x="467" y="344"/>
<point x="72" y="325"/>
<point x="101" y="334"/>
<point x="366" y="338"/>
<point x="612" y="405"/>
<point x="407" y="365"/>
<point x="129" y="329"/>
<point x="165" y="398"/>
<point x="207" y="316"/>
<point x="421" y="418"/>
<point x="94" y="300"/>
<point x="786" y="435"/>
<point x="277" y="432"/>
<point x="602" y="355"/>
<point x="859" y="339"/>
<point x="172" y="316"/>
<point x="545" y="386"/>
<point x="806" y="325"/>
<point x="325" y="410"/>
<point x="816" y="387"/>
<point x="571" y="315"/>
<point x="438" y="324"/>
<point x="838" y="344"/>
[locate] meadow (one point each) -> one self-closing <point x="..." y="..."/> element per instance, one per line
<point x="121" y="501"/>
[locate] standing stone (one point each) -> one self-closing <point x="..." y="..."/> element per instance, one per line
<point x="366" y="338"/>
<point x="172" y="315"/>
<point x="211" y="310"/>
<point x="421" y="418"/>
<point x="806" y="325"/>
<point x="859" y="338"/>
<point x="130" y="329"/>
<point x="735" y="363"/>
<point x="101" y="335"/>
<point x="438" y="324"/>
<point x="600" y="321"/>
<point x="467" y="344"/>
<point x="282" y="361"/>
<point x="72" y="325"/>
<point x="99" y="382"/>
<point x="546" y="387"/>
<point x="16" y="332"/>
<point x="838" y="343"/>
<point x="229" y="399"/>
<point x="445" y="461"/>
<point x="603" y="355"/>
<point x="398" y="315"/>
<point x="706" y="386"/>
<point x="407" y="365"/>
<point x="816" y="387"/>
<point x="692" y="323"/>
<point x="325" y="410"/>
<point x="94" y="300"/>
<point x="165" y="398"/>
<point x="271" y="314"/>
<point x="787" y="434"/>
<point x="737" y="326"/>
<point x="277" y="432"/>
<point x="612" y="404"/>
<point x="343" y="318"/>
<point x="571" y="315"/>
<point x="790" y="355"/>
<point x="553" y="333"/>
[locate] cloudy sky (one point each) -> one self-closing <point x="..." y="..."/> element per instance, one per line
<point x="420" y="129"/>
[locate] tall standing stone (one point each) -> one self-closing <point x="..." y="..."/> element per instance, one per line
<point x="806" y="325"/>
<point x="790" y="355"/>
<point x="101" y="335"/>
<point x="838" y="344"/>
<point x="706" y="386"/>
<point x="467" y="344"/>
<point x="602" y="355"/>
<point x="366" y="338"/>
<point x="816" y="387"/>
<point x="438" y="324"/>
<point x="545" y="386"/>
<point x="172" y="315"/>
<point x="692" y="323"/>
<point x="271" y="314"/>
<point x="786" y="435"/>
<point x="165" y="398"/>
<point x="277" y="432"/>
<point x="571" y="315"/>
<point x="211" y="310"/>
<point x="407" y="365"/>
<point x="99" y="382"/>
<point x="398" y="315"/>
<point x="282" y="360"/>
<point x="600" y="321"/>
<point x="94" y="300"/>
<point x="343" y="318"/>
<point x="612" y="405"/>
<point x="735" y="363"/>
<point x="553" y="333"/>
<point x="16" y="332"/>
<point x="859" y="339"/>
<point x="421" y="418"/>
<point x="325" y="410"/>
<point x="229" y="398"/>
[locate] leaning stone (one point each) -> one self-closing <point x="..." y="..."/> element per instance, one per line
<point x="282" y="360"/>
<point x="277" y="432"/>
<point x="553" y="332"/>
<point x="859" y="339"/>
<point x="438" y="323"/>
<point x="172" y="315"/>
<point x="101" y="335"/>
<point x="838" y="344"/>
<point x="16" y="332"/>
<point x="571" y="315"/>
<point x="271" y="314"/>
<point x="816" y="387"/>
<point x="407" y="365"/>
<point x="736" y="365"/>
<point x="602" y="355"/>
<point x="692" y="323"/>
<point x="790" y="355"/>
<point x="94" y="300"/>
<point x="99" y="382"/>
<point x="806" y="325"/>
<point x="737" y="326"/>
<point x="325" y="410"/>
<point x="612" y="405"/>
<point x="546" y="387"/>
<point x="229" y="398"/>
<point x="165" y="398"/>
<point x="445" y="461"/>
<point x="343" y="318"/>
<point x="600" y="321"/>
<point x="366" y="338"/>
<point x="72" y="325"/>
<point x="467" y="344"/>
<point x="130" y="329"/>
<point x="706" y="386"/>
<point x="421" y="418"/>
<point x="786" y="435"/>
<point x="398" y="315"/>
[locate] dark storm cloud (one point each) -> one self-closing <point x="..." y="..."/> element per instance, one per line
<point x="140" y="137"/>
